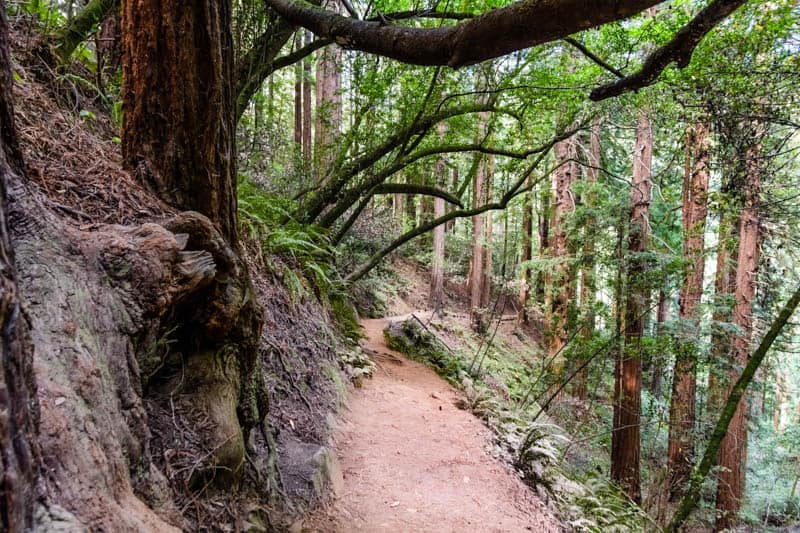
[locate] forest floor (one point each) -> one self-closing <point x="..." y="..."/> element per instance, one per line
<point x="412" y="461"/>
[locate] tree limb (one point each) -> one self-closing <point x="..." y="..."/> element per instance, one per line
<point x="424" y="190"/>
<point x="78" y="29"/>
<point x="595" y="58"/>
<point x="493" y="34"/>
<point x="678" y="50"/>
<point x="689" y="501"/>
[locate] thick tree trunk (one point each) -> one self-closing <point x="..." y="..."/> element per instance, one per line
<point x="179" y="139"/>
<point x="680" y="449"/>
<point x="178" y="133"/>
<point x="480" y="266"/>
<point x="625" y="439"/>
<point x="588" y="277"/>
<point x="733" y="450"/>
<point x="19" y="406"/>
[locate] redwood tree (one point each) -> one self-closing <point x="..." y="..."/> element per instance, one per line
<point x="733" y="450"/>
<point x="625" y="439"/>
<point x="695" y="208"/>
<point x="178" y="132"/>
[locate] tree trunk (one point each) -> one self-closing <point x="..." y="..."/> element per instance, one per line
<point x="680" y="448"/>
<point x="733" y="455"/>
<point x="19" y="423"/>
<point x="307" y="156"/>
<point x="328" y="108"/>
<point x="479" y="269"/>
<point x="437" y="262"/>
<point x="625" y="439"/>
<point x="588" y="277"/>
<point x="178" y="133"/>
<point x="298" y="108"/>
<point x="658" y="367"/>
<point x="179" y="139"/>
<point x="563" y="282"/>
<point x="526" y="255"/>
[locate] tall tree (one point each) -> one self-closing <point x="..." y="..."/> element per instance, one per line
<point x="328" y="107"/>
<point x="625" y="439"/>
<point x="732" y="454"/>
<point x="480" y="264"/>
<point x="588" y="276"/>
<point x="307" y="155"/>
<point x="680" y="449"/>
<point x="437" y="263"/>
<point x="563" y="282"/>
<point x="526" y="255"/>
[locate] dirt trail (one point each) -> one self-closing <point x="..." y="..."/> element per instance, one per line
<point x="413" y="462"/>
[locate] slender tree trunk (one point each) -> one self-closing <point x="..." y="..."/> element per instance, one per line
<point x="307" y="155"/>
<point x="451" y="224"/>
<point x="525" y="256"/>
<point x="480" y="223"/>
<point x="563" y="282"/>
<point x="329" y="106"/>
<point x="625" y="439"/>
<point x="588" y="277"/>
<point x="542" y="292"/>
<point x="486" y="283"/>
<point x="19" y="406"/>
<point x="680" y="449"/>
<point x="178" y="134"/>
<point x="437" y="262"/>
<point x="733" y="455"/>
<point x="298" y="108"/>
<point x="658" y="367"/>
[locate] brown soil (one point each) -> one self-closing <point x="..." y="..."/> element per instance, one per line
<point x="412" y="461"/>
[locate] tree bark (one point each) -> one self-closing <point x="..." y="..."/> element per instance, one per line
<point x="588" y="277"/>
<point x="19" y="407"/>
<point x="731" y="406"/>
<point x="625" y="441"/>
<point x="307" y="155"/>
<point x="526" y="255"/>
<point x="680" y="448"/>
<point x="733" y="455"/>
<point x="564" y="279"/>
<point x="328" y="109"/>
<point x="179" y="127"/>
<point x="480" y="269"/>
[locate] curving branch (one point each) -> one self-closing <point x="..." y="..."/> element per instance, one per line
<point x="593" y="57"/>
<point x="424" y="190"/>
<point x="492" y="34"/>
<point x="721" y="428"/>
<point x="77" y="30"/>
<point x="678" y="50"/>
<point x="333" y="189"/>
<point x="517" y="188"/>
<point x="259" y="62"/>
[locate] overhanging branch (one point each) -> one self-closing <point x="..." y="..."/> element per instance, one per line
<point x="493" y="34"/>
<point x="678" y="50"/>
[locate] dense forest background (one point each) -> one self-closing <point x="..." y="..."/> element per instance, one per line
<point x="226" y="187"/>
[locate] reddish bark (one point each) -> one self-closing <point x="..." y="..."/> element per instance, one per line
<point x="680" y="448"/>
<point x="733" y="450"/>
<point x="178" y="133"/>
<point x="625" y="441"/>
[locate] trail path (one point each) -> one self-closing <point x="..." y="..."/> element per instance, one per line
<point x="413" y="462"/>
